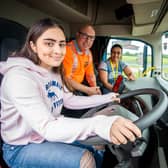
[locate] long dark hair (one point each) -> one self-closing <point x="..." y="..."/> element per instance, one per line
<point x="36" y="30"/>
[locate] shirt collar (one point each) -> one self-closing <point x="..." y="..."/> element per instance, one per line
<point x="78" y="49"/>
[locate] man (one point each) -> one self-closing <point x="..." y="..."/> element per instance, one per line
<point x="78" y="63"/>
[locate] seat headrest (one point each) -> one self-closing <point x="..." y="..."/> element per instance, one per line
<point x="7" y="46"/>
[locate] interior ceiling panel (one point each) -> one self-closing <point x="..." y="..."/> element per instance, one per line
<point x="146" y="13"/>
<point x="163" y="25"/>
<point x="81" y="6"/>
<point x="145" y="16"/>
<point x="142" y="30"/>
<point x="106" y="13"/>
<point x="60" y="10"/>
<point x="141" y="1"/>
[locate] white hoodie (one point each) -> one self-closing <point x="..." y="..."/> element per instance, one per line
<point x="31" y="102"/>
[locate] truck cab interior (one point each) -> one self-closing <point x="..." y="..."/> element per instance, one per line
<point x="139" y="26"/>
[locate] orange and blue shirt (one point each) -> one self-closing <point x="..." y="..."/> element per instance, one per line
<point x="78" y="65"/>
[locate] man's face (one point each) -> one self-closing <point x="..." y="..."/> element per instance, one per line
<point x="85" y="38"/>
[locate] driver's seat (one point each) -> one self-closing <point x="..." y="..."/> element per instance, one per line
<point x="2" y="162"/>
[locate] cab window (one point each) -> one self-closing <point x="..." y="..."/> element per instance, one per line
<point x="137" y="54"/>
<point x="165" y="56"/>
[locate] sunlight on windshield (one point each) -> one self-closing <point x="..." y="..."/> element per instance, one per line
<point x="165" y="56"/>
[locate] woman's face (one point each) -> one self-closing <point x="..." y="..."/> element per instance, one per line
<point x="116" y="54"/>
<point x="50" y="48"/>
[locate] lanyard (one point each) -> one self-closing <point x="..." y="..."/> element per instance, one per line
<point x="115" y="72"/>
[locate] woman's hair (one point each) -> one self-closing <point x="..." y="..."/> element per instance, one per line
<point x="36" y="30"/>
<point x="116" y="45"/>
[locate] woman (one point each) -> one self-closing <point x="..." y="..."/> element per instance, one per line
<point x="34" y="133"/>
<point x="112" y="68"/>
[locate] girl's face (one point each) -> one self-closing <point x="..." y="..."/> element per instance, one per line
<point x="116" y="54"/>
<point x="50" y="48"/>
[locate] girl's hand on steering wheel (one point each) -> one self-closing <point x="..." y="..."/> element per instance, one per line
<point x="124" y="130"/>
<point x="115" y="98"/>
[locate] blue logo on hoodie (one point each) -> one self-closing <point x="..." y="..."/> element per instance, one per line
<point x="52" y="95"/>
<point x="51" y="88"/>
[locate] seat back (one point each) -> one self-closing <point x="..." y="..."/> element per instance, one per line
<point x="2" y="162"/>
<point x="7" y="47"/>
<point x="10" y="41"/>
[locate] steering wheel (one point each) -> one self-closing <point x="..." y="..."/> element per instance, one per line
<point x="146" y="120"/>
